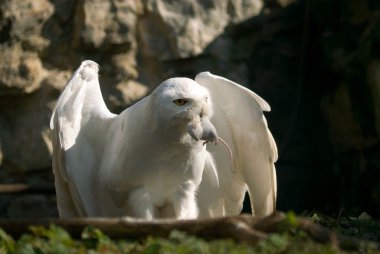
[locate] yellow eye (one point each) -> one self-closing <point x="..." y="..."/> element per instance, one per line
<point x="180" y="102"/>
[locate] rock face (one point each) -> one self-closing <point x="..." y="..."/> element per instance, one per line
<point x="170" y="31"/>
<point x="42" y="42"/>
<point x="321" y="81"/>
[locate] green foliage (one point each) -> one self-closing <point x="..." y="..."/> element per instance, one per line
<point x="288" y="239"/>
<point x="7" y="244"/>
<point x="93" y="238"/>
<point x="363" y="226"/>
<point x="45" y="240"/>
<point x="181" y="243"/>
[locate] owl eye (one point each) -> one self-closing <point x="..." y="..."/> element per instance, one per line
<point x="180" y="102"/>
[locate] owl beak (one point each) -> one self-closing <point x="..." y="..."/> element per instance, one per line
<point x="203" y="130"/>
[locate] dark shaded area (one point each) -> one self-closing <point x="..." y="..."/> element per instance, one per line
<point x="279" y="71"/>
<point x="343" y="45"/>
<point x="312" y="50"/>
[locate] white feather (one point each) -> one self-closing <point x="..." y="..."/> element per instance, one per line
<point x="239" y="119"/>
<point x="150" y="161"/>
<point x="141" y="163"/>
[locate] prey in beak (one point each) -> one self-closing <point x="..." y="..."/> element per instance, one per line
<point x="203" y="130"/>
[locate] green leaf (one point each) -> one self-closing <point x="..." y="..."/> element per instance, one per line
<point x="7" y="244"/>
<point x="364" y="216"/>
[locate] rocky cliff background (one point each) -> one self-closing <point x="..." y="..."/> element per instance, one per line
<point x="317" y="63"/>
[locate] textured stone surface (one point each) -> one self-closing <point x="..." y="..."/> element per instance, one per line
<point x="185" y="29"/>
<point x="22" y="72"/>
<point x="42" y="42"/>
